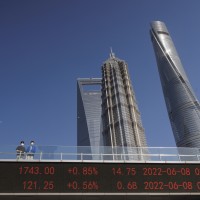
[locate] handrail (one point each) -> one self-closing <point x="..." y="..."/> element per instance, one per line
<point x="108" y="153"/>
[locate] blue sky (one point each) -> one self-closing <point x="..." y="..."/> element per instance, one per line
<point x="45" y="45"/>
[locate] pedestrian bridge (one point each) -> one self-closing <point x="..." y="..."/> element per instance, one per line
<point x="103" y="173"/>
<point x="67" y="153"/>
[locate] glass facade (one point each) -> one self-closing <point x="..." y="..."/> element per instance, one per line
<point x="89" y="113"/>
<point x="121" y="120"/>
<point x="182" y="105"/>
<point x="109" y="116"/>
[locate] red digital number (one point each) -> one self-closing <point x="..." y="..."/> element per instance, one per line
<point x="187" y="185"/>
<point x="131" y="171"/>
<point x="197" y="171"/>
<point x="152" y="171"/>
<point x="29" y="170"/>
<point x="117" y="171"/>
<point x="49" y="170"/>
<point x="90" y="185"/>
<point x="48" y="185"/>
<point x="198" y="185"/>
<point x="90" y="171"/>
<point x="30" y="185"/>
<point x="73" y="185"/>
<point x="132" y="185"/>
<point x="185" y="171"/>
<point x="33" y="185"/>
<point x="153" y="185"/>
<point x="119" y="185"/>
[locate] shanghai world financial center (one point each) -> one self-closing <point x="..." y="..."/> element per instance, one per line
<point x="107" y="112"/>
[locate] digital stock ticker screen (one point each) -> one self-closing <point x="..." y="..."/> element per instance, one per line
<point x="68" y="177"/>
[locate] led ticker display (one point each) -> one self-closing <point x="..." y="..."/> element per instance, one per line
<point x="68" y="177"/>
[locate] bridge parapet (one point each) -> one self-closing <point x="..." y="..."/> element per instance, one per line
<point x="66" y="153"/>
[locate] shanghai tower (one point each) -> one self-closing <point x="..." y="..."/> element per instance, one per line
<point x="182" y="105"/>
<point x="122" y="126"/>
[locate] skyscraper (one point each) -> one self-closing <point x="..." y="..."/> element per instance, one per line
<point x="122" y="124"/>
<point x="182" y="105"/>
<point x="89" y="113"/>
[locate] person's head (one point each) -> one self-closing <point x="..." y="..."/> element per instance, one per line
<point x="22" y="143"/>
<point x="32" y="142"/>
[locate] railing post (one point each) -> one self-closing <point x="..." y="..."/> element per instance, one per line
<point x="179" y="157"/>
<point x="197" y="156"/>
<point x="81" y="156"/>
<point x="40" y="155"/>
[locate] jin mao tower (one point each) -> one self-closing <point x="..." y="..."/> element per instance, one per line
<point x="121" y="119"/>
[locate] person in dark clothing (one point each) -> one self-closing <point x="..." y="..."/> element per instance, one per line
<point x="20" y="150"/>
<point x="31" y="150"/>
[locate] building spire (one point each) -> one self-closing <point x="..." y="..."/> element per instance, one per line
<point x="112" y="55"/>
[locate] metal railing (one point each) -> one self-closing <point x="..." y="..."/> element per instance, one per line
<point x="67" y="153"/>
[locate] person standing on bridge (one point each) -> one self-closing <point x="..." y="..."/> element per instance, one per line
<point x="20" y="151"/>
<point x="31" y="150"/>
